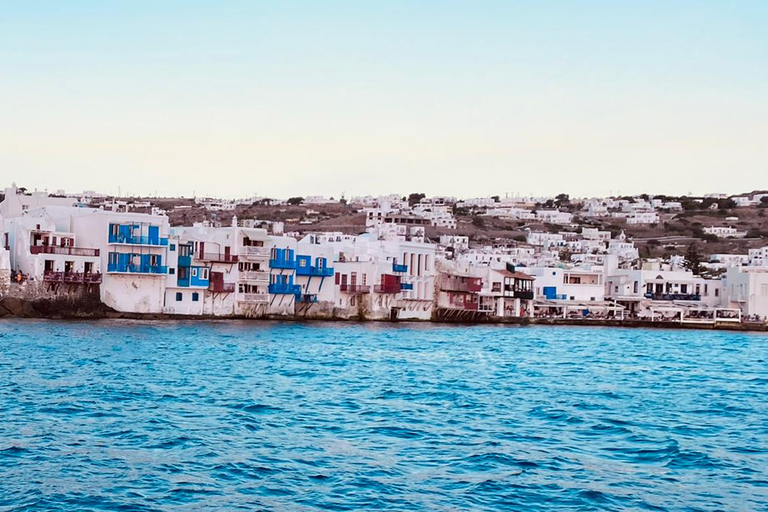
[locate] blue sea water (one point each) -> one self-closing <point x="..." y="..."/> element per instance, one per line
<point x="123" y="415"/>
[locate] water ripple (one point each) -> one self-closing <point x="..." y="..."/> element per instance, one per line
<point x="167" y="416"/>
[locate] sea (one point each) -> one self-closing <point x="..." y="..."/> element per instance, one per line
<point x="125" y="415"/>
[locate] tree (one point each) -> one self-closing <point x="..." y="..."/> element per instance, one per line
<point x="295" y="201"/>
<point x="496" y="199"/>
<point x="693" y="259"/>
<point x="764" y="202"/>
<point x="478" y="221"/>
<point x="415" y="198"/>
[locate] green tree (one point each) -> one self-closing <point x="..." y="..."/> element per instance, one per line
<point x="415" y="198"/>
<point x="693" y="259"/>
<point x="295" y="201"/>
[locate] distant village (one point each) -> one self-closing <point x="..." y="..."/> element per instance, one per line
<point x="674" y="259"/>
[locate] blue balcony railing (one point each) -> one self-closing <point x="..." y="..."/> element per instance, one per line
<point x="137" y="269"/>
<point x="121" y="238"/>
<point x="322" y="271"/>
<point x="185" y="261"/>
<point x="282" y="264"/>
<point x="284" y="289"/>
<point x="399" y="268"/>
<point x="406" y="286"/>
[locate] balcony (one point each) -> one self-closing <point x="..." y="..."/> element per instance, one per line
<point x="406" y="286"/>
<point x="254" y="275"/>
<point x="399" y="268"/>
<point x="215" y="257"/>
<point x="185" y="261"/>
<point x="387" y="288"/>
<point x="471" y="306"/>
<point x="118" y="268"/>
<point x="53" y="277"/>
<point x="314" y="271"/>
<point x="137" y="240"/>
<point x="307" y="298"/>
<point x="673" y="296"/>
<point x="510" y="291"/>
<point x="254" y="251"/>
<point x="64" y="251"/>
<point x="72" y="277"/>
<point x="454" y="286"/>
<point x="355" y="288"/>
<point x="254" y="298"/>
<point x="282" y="264"/>
<point x="284" y="289"/>
<point x="221" y="287"/>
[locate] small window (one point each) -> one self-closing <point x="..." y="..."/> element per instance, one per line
<point x="195" y="297"/>
<point x="178" y="296"/>
<point x="171" y="271"/>
<point x="173" y="247"/>
<point x="194" y="272"/>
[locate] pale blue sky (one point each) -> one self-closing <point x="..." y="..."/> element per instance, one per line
<point x="232" y="98"/>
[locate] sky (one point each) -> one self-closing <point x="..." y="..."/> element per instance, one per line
<point x="466" y="98"/>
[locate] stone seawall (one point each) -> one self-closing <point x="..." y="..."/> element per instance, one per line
<point x="89" y="306"/>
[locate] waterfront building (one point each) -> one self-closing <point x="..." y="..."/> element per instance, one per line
<point x="133" y="248"/>
<point x="45" y="251"/>
<point x="746" y="289"/>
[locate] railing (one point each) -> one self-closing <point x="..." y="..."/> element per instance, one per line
<point x="93" y="277"/>
<point x="355" y="288"/>
<point x="136" y="240"/>
<point x="282" y="264"/>
<point x="521" y="294"/>
<point x="53" y="277"/>
<point x="251" y="250"/>
<point x="215" y="257"/>
<point x="137" y="269"/>
<point x="261" y="298"/>
<point x="185" y="261"/>
<point x="307" y="298"/>
<point x="406" y="286"/>
<point x="461" y="287"/>
<point x="66" y="251"/>
<point x="221" y="287"/>
<point x="399" y="268"/>
<point x="673" y="296"/>
<point x="471" y="306"/>
<point x="387" y="288"/>
<point x="253" y="275"/>
<point x="284" y="289"/>
<point x="322" y="271"/>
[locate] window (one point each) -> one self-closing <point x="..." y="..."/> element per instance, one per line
<point x="173" y="247"/>
<point x="171" y="271"/>
<point x="204" y="273"/>
<point x="178" y="296"/>
<point x="195" y="297"/>
<point x="194" y="272"/>
<point x="717" y="292"/>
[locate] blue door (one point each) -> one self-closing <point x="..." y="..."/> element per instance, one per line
<point x="154" y="235"/>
